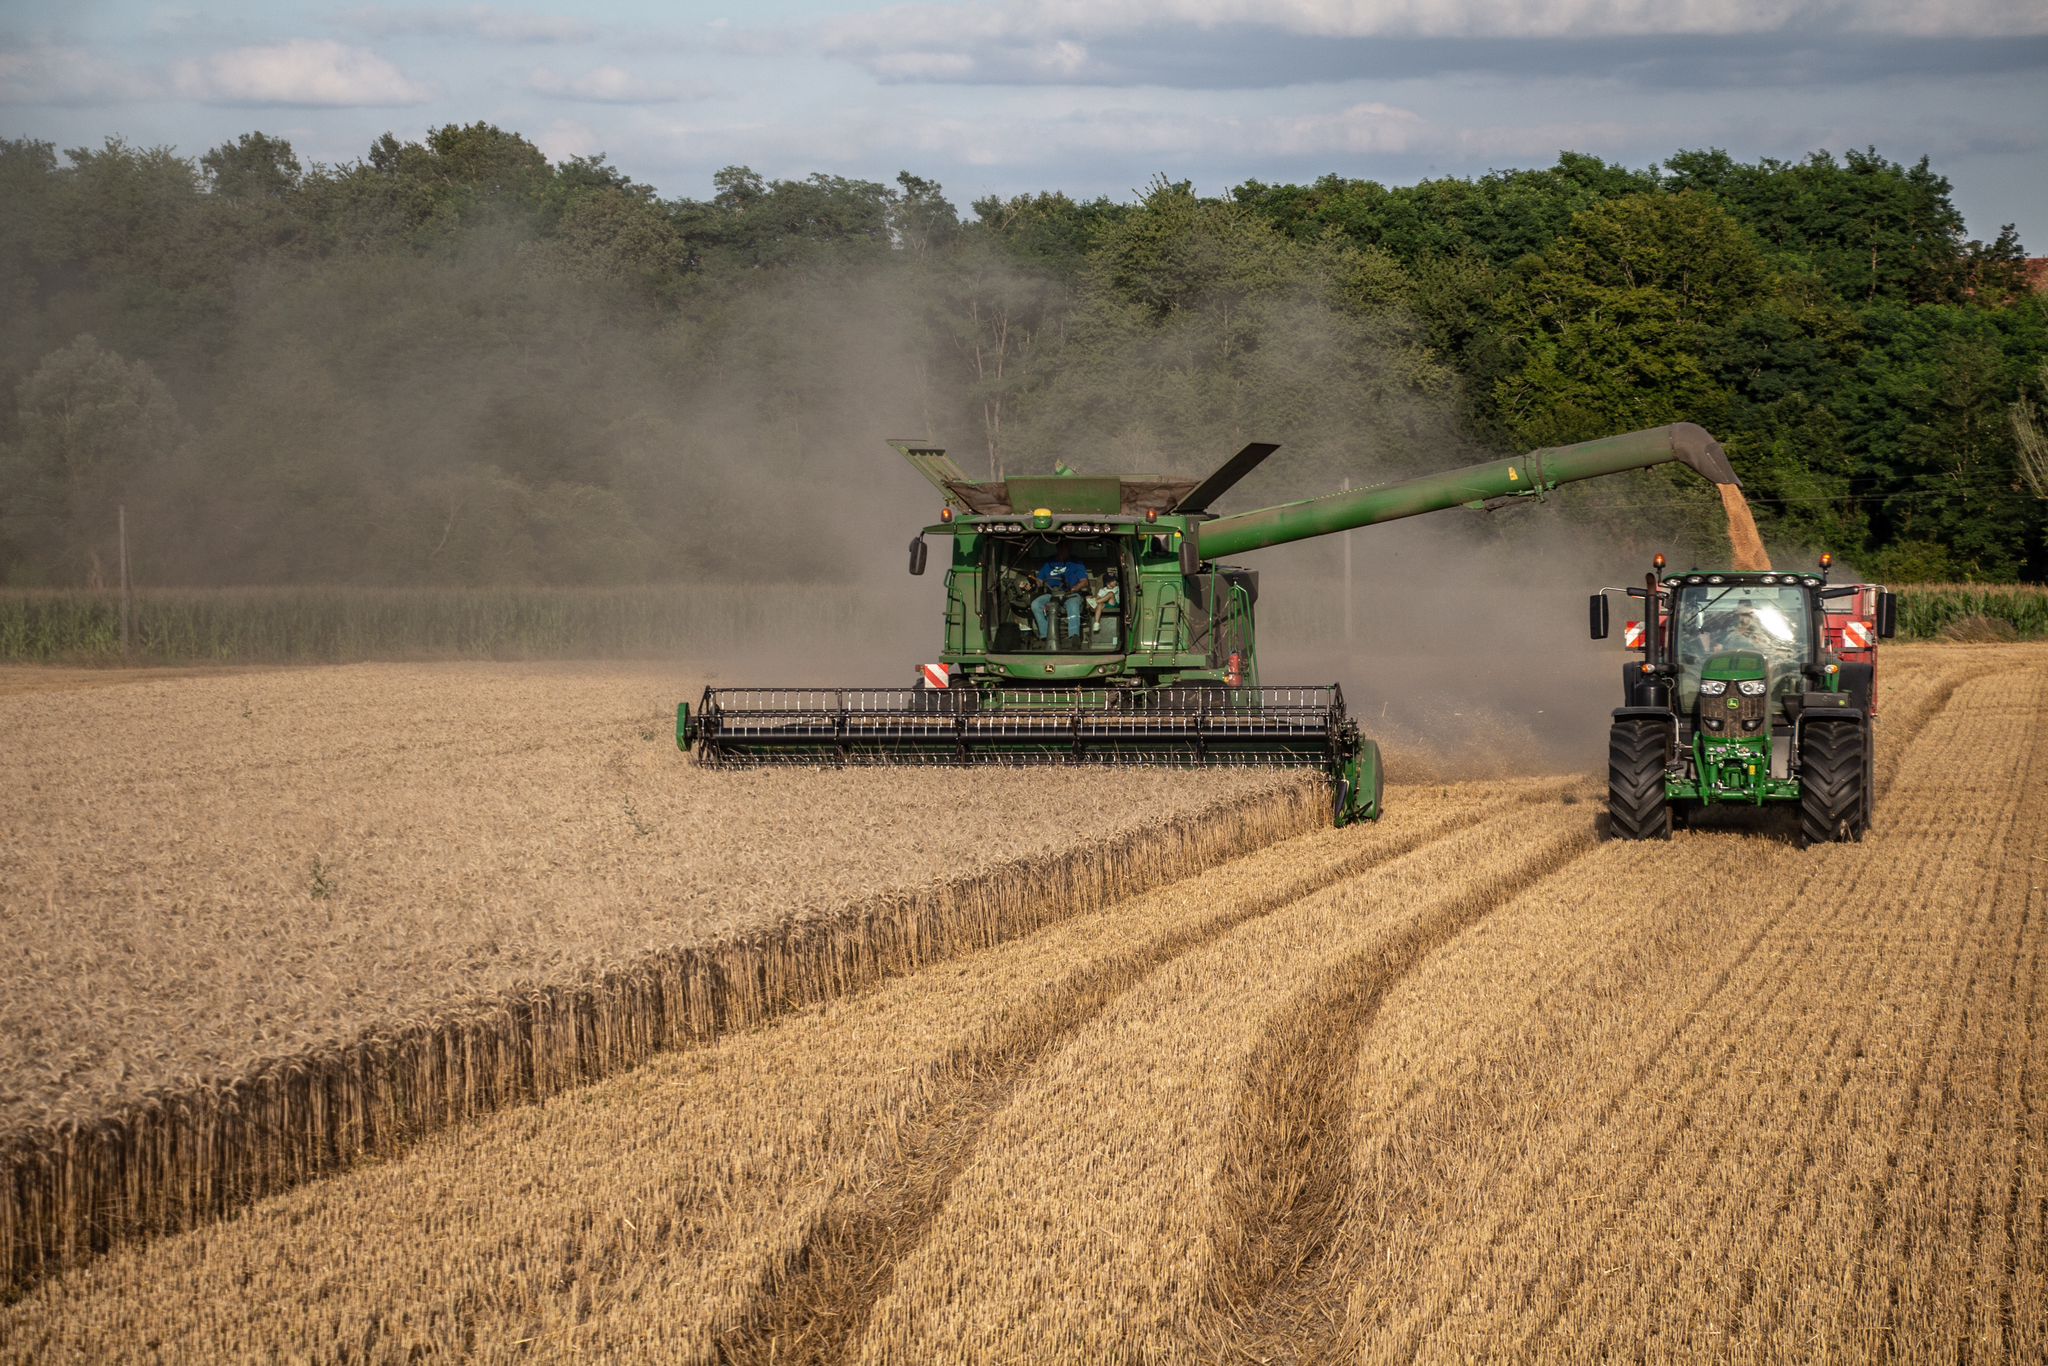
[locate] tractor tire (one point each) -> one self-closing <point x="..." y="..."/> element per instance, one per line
<point x="1869" y="779"/>
<point x="1833" y="794"/>
<point x="1636" y="808"/>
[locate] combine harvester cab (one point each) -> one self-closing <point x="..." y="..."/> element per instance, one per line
<point x="1754" y="686"/>
<point x="1094" y="620"/>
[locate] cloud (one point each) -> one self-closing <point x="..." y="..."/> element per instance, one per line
<point x="46" y="74"/>
<point x="565" y="138"/>
<point x="1037" y="20"/>
<point x="305" y="71"/>
<point x="470" y="21"/>
<point x="1263" y="43"/>
<point x="609" y="85"/>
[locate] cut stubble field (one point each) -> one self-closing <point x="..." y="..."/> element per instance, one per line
<point x="1469" y="1082"/>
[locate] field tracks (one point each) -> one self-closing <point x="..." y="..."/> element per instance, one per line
<point x="1291" y="1197"/>
<point x="814" y="1303"/>
<point x="1725" y="1147"/>
<point x="1287" y="1181"/>
<point x="194" y="1152"/>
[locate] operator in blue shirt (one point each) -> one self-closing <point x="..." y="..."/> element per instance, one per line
<point x="1062" y="577"/>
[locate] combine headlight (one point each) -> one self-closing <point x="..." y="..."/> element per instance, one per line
<point x="1713" y="687"/>
<point x="1752" y="687"/>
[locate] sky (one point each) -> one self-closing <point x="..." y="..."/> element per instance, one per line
<point x="1086" y="96"/>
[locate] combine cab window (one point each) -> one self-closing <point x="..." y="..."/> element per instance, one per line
<point x="1767" y="619"/>
<point x="1056" y="596"/>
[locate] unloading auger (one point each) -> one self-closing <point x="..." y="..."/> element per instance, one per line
<point x="1090" y="620"/>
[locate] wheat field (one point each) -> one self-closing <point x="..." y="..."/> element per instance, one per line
<point x="256" y="924"/>
<point x="1470" y="1082"/>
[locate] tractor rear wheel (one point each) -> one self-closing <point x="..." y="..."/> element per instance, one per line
<point x="1832" y="776"/>
<point x="1636" y="808"/>
<point x="1869" y="779"/>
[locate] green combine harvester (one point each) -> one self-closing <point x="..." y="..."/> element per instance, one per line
<point x="1755" y="686"/>
<point x="1094" y="620"/>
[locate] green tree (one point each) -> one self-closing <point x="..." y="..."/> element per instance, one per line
<point x="1872" y="228"/>
<point x="95" y="431"/>
<point x="1624" y="314"/>
<point x="253" y="166"/>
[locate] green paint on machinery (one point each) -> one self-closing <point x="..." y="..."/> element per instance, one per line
<point x="1090" y="619"/>
<point x="1754" y="687"/>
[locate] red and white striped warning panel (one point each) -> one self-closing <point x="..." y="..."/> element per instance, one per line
<point x="1856" y="635"/>
<point x="1632" y="634"/>
<point x="936" y="675"/>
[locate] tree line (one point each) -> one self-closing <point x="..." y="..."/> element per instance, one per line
<point x="454" y="362"/>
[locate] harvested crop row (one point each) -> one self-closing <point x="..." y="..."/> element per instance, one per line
<point x="1073" y="1232"/>
<point x="1755" y="1125"/>
<point x="643" y="1214"/>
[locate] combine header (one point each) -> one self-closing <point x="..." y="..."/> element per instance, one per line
<point x="1091" y="620"/>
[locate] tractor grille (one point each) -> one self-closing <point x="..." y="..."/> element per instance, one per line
<point x="1744" y="719"/>
<point x="966" y="725"/>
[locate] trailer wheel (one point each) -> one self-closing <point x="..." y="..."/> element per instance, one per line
<point x="1636" y="750"/>
<point x="1832" y="791"/>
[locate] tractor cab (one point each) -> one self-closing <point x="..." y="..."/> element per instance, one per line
<point x="1768" y="626"/>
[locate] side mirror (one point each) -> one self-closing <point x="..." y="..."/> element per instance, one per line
<point x="1596" y="615"/>
<point x="1190" y="554"/>
<point x="917" y="554"/>
<point x="1887" y="614"/>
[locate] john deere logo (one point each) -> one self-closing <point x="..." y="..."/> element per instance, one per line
<point x="1734" y="705"/>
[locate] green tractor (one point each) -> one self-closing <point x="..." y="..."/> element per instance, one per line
<point x="1754" y="687"/>
<point x="1098" y="620"/>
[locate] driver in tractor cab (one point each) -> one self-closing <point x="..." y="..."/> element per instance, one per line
<point x="1750" y="631"/>
<point x="1065" y="578"/>
<point x="1018" y="589"/>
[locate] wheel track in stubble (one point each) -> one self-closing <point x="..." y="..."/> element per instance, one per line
<point x="1281" y="1212"/>
<point x="814" y="1303"/>
<point x="1562" y="1277"/>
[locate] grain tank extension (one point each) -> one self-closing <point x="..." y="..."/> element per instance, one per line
<point x="1093" y="619"/>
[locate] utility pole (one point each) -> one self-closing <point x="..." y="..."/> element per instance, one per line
<point x="1350" y="615"/>
<point x="127" y="607"/>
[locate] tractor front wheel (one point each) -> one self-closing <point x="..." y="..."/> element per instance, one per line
<point x="1636" y="751"/>
<point x="1833" y="798"/>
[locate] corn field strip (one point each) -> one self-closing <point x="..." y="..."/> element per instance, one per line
<point x="335" y="624"/>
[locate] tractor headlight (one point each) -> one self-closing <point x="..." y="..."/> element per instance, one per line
<point x="1713" y="687"/>
<point x="1711" y="722"/>
<point x="1752" y="687"/>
